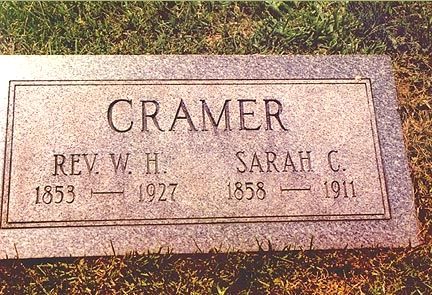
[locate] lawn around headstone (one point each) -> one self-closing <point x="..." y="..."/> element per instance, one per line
<point x="400" y="30"/>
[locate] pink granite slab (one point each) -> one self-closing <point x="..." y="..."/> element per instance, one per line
<point x="190" y="153"/>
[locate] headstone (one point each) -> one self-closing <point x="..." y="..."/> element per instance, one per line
<point x="112" y="154"/>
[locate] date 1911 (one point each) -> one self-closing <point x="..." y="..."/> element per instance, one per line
<point x="336" y="189"/>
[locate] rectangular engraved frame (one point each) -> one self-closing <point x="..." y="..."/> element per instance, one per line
<point x="5" y="223"/>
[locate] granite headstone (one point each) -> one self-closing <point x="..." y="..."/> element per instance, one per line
<point x="110" y="154"/>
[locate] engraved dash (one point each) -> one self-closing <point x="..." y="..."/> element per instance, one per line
<point x="106" y="192"/>
<point x="295" y="189"/>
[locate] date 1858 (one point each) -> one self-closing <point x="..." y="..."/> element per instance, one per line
<point x="246" y="191"/>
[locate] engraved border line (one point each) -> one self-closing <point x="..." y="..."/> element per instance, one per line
<point x="193" y="82"/>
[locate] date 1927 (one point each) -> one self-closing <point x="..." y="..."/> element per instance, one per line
<point x="157" y="192"/>
<point x="57" y="194"/>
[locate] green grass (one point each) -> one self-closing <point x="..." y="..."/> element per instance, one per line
<point x="215" y="28"/>
<point x="401" y="30"/>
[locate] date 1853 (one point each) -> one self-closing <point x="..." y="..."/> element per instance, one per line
<point x="57" y="194"/>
